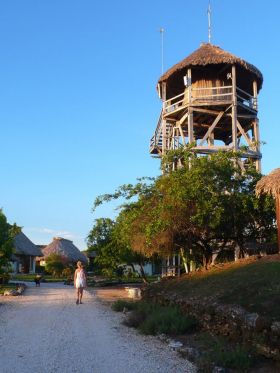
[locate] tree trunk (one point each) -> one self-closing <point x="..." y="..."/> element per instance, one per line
<point x="192" y="262"/>
<point x="143" y="275"/>
<point x="214" y="257"/>
<point x="184" y="259"/>
<point x="237" y="252"/>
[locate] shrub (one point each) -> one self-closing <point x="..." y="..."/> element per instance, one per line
<point x="167" y="320"/>
<point x="119" y="305"/>
<point x="154" y="319"/>
<point x="235" y="358"/>
<point x="55" y="264"/>
<point x="67" y="272"/>
<point x="135" y="319"/>
<point x="4" y="278"/>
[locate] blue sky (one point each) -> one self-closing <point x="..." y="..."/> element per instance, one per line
<point x="78" y="102"/>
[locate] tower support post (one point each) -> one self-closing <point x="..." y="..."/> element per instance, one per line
<point x="257" y="140"/>
<point x="164" y="139"/>
<point x="190" y="111"/>
<point x="234" y="109"/>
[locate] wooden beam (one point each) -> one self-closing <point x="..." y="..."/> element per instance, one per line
<point x="182" y="133"/>
<point x="189" y="75"/>
<point x="163" y="127"/>
<point x="206" y="111"/>
<point x="257" y="139"/>
<point x="255" y="94"/>
<point x="213" y="125"/>
<point x="213" y="148"/>
<point x="190" y="126"/>
<point x="234" y="109"/>
<point x="246" y="116"/>
<point x="244" y="134"/>
<point x="211" y="139"/>
<point x="184" y="117"/>
<point x="190" y="116"/>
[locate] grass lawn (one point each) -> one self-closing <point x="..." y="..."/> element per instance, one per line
<point x="7" y="287"/>
<point x="253" y="284"/>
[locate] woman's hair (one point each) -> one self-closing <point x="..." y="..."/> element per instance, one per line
<point x="79" y="264"/>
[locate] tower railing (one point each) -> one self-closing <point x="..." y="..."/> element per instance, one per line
<point x="195" y="96"/>
<point x="211" y="95"/>
<point x="246" y="99"/>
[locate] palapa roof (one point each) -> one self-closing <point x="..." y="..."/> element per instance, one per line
<point x="90" y="254"/>
<point x="65" y="248"/>
<point x="209" y="54"/>
<point x="23" y="246"/>
<point x="269" y="184"/>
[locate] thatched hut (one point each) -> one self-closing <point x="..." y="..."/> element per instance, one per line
<point x="210" y="66"/>
<point x="64" y="248"/>
<point x="25" y="252"/>
<point x="270" y="184"/>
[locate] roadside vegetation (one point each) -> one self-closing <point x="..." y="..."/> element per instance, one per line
<point x="7" y="234"/>
<point x="153" y="319"/>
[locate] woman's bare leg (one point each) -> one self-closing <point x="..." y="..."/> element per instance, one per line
<point x="81" y="294"/>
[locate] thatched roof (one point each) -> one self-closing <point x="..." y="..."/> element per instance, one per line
<point x="65" y="248"/>
<point x="23" y="246"/>
<point x="209" y="54"/>
<point x="269" y="184"/>
<point x="90" y="254"/>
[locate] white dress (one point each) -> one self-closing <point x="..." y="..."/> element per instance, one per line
<point x="80" y="279"/>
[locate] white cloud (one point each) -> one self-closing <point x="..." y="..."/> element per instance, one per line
<point x="53" y="232"/>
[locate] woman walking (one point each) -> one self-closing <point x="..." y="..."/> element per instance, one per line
<point x="80" y="281"/>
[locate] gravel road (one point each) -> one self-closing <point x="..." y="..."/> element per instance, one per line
<point x="44" y="331"/>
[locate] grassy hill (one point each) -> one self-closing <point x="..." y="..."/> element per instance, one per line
<point x="251" y="283"/>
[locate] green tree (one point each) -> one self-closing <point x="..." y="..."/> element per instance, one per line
<point x="197" y="210"/>
<point x="210" y="204"/>
<point x="100" y="240"/>
<point x="107" y="238"/>
<point x="7" y="234"/>
<point x="55" y="264"/>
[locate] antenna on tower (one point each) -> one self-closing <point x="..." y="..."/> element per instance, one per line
<point x="209" y="11"/>
<point x="161" y="33"/>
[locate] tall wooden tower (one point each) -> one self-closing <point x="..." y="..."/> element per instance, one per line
<point x="210" y="100"/>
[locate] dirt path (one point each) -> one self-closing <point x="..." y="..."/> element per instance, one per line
<point x="44" y="331"/>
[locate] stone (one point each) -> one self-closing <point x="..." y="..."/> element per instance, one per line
<point x="20" y="290"/>
<point x="10" y="293"/>
<point x="268" y="352"/>
<point x="275" y="327"/>
<point x="175" y="345"/>
<point x="219" y="370"/>
<point x="255" y="321"/>
<point x="134" y="293"/>
<point x="163" y="337"/>
<point x="192" y="353"/>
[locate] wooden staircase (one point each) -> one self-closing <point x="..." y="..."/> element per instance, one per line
<point x="156" y="141"/>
